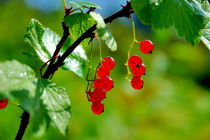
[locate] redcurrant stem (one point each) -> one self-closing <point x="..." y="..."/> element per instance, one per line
<point x="16" y="104"/>
<point x="134" y="30"/>
<point x="99" y="45"/>
<point x="90" y="67"/>
<point x="131" y="47"/>
<point x="89" y="86"/>
<point x="65" y="7"/>
<point x="91" y="54"/>
<point x="77" y="9"/>
<point x="90" y="64"/>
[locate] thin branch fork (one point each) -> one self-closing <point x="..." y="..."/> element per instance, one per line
<point x="126" y="11"/>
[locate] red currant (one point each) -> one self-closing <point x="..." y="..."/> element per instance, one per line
<point x="108" y="63"/>
<point x="97" y="108"/>
<point x="105" y="82"/>
<point x="137" y="82"/>
<point x="139" y="70"/>
<point x="97" y="95"/>
<point x="3" y="103"/>
<point x="146" y="47"/>
<point x="98" y="83"/>
<point x="134" y="60"/>
<point x="101" y="72"/>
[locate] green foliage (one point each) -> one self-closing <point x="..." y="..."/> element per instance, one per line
<point x="56" y="102"/>
<point x="206" y="36"/>
<point x="84" y="4"/>
<point x="79" y="23"/>
<point x="187" y="17"/>
<point x="205" y="5"/>
<point x="77" y="61"/>
<point x="44" y="42"/>
<point x="103" y="32"/>
<point x="18" y="82"/>
<point x="46" y="102"/>
<point x="49" y="104"/>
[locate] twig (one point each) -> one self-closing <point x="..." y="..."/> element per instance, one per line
<point x="126" y="11"/>
<point x="23" y="125"/>
<point x="58" y="47"/>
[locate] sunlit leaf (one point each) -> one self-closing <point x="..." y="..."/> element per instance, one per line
<point x="78" y="24"/>
<point x="57" y="104"/>
<point x="206" y="36"/>
<point x="44" y="41"/>
<point x="47" y="103"/>
<point x="18" y="82"/>
<point x="103" y="32"/>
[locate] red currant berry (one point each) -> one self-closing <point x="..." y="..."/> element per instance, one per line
<point x="137" y="82"/>
<point x="106" y="83"/>
<point x="101" y="72"/>
<point x="139" y="70"/>
<point x="3" y="103"/>
<point x="97" y="95"/>
<point x="108" y="63"/>
<point x="134" y="60"/>
<point x="146" y="47"/>
<point x="97" y="108"/>
<point x="98" y="83"/>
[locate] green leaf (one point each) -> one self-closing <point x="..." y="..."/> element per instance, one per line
<point x="51" y="105"/>
<point x="142" y="10"/>
<point x="77" y="61"/>
<point x="84" y="4"/>
<point x="206" y="36"/>
<point x="47" y="103"/>
<point x="205" y="5"/>
<point x="57" y="104"/>
<point x="187" y="16"/>
<point x="103" y="32"/>
<point x="78" y="24"/>
<point x="18" y="83"/>
<point x="44" y="42"/>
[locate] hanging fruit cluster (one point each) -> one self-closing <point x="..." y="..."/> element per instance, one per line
<point x="138" y="69"/>
<point x="104" y="83"/>
<point x="101" y="85"/>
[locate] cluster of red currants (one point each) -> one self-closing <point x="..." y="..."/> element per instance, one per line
<point x="101" y="85"/>
<point x="137" y="67"/>
<point x="3" y="103"/>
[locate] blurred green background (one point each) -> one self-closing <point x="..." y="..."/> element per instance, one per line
<point x="174" y="103"/>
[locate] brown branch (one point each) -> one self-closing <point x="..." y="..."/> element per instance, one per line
<point x="58" y="47"/>
<point x="23" y="125"/>
<point x="126" y="11"/>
